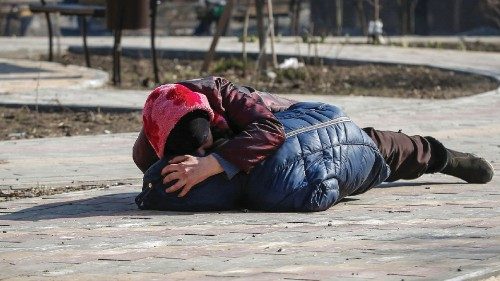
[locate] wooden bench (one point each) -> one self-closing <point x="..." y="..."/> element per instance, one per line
<point x="79" y="10"/>
<point x="83" y="11"/>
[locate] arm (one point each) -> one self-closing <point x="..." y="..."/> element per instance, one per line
<point x="258" y="132"/>
<point x="188" y="171"/>
<point x="143" y="153"/>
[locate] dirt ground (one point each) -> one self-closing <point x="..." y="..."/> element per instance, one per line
<point x="26" y="123"/>
<point x="368" y="79"/>
<point x="371" y="80"/>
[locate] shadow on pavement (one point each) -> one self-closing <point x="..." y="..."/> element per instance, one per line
<point x="121" y="204"/>
<point x="406" y="183"/>
<point x="11" y="68"/>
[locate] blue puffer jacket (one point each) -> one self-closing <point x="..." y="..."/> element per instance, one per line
<point x="325" y="158"/>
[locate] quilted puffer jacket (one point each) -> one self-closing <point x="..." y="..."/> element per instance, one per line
<point x="324" y="158"/>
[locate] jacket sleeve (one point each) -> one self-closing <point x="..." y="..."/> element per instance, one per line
<point x="258" y="133"/>
<point x="143" y="153"/>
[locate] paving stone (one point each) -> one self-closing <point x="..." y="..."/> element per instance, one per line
<point x="433" y="228"/>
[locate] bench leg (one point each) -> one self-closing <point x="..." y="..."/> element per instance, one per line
<point x="153" y="6"/>
<point x="117" y="50"/>
<point x="49" y="27"/>
<point x="51" y="43"/>
<point x="84" y="35"/>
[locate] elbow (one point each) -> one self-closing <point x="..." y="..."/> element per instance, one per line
<point x="142" y="153"/>
<point x="138" y="160"/>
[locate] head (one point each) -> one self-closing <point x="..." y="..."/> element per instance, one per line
<point x="191" y="135"/>
<point x="174" y="107"/>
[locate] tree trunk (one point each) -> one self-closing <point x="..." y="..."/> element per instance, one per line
<point x="259" y="7"/>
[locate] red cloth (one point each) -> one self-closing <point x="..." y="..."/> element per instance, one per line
<point x="164" y="107"/>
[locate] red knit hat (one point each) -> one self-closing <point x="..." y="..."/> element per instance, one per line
<point x="164" y="107"/>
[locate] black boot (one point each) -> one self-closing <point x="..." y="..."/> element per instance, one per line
<point x="468" y="167"/>
<point x="465" y="166"/>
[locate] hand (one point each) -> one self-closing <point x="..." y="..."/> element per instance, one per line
<point x="188" y="171"/>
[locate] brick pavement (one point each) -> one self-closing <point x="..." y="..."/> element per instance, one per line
<point x="21" y="76"/>
<point x="434" y="228"/>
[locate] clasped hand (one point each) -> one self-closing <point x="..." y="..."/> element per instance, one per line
<point x="189" y="170"/>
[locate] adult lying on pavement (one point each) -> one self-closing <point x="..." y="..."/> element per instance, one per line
<point x="207" y="144"/>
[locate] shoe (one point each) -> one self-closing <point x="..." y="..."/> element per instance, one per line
<point x="468" y="167"/>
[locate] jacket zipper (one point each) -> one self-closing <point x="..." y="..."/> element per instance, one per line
<point x="318" y="126"/>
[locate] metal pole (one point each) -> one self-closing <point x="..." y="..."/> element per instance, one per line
<point x="117" y="48"/>
<point x="85" y="47"/>
<point x="153" y="8"/>
<point x="49" y="26"/>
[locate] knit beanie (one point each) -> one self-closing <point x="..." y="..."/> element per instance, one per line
<point x="165" y="107"/>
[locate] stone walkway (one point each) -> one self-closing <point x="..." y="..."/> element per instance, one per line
<point x="435" y="227"/>
<point x="25" y="76"/>
<point x="432" y="229"/>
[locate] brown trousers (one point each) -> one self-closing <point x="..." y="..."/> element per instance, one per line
<point x="409" y="157"/>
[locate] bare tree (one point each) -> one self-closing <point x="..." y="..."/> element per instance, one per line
<point x="491" y="9"/>
<point x="407" y="16"/>
<point x="360" y="10"/>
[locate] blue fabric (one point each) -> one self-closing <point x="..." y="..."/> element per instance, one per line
<point x="230" y="169"/>
<point x="325" y="158"/>
<point x="216" y="193"/>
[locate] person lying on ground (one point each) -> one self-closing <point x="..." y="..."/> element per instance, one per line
<point x="185" y="118"/>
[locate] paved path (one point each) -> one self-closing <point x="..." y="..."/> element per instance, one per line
<point x="432" y="228"/>
<point x="24" y="76"/>
<point x="334" y="48"/>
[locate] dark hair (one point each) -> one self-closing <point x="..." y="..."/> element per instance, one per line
<point x="188" y="134"/>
